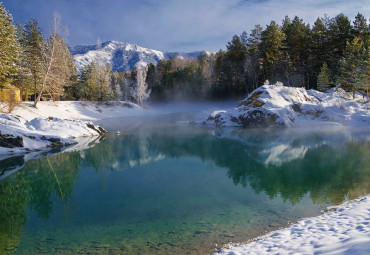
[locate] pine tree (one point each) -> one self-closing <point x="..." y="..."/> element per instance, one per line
<point x="33" y="46"/>
<point x="340" y="32"/>
<point x="319" y="44"/>
<point x="9" y="48"/>
<point x="86" y="83"/>
<point x="364" y="76"/>
<point x="236" y="55"/>
<point x="254" y="40"/>
<point x="297" y="41"/>
<point x="323" y="81"/>
<point x="350" y="65"/>
<point x="361" y="29"/>
<point x="272" y="46"/>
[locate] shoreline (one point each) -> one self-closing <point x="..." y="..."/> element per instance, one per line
<point x="346" y="230"/>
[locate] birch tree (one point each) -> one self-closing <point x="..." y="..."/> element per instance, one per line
<point x="140" y="91"/>
<point x="57" y="63"/>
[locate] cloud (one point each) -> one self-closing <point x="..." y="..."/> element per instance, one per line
<point x="176" y="24"/>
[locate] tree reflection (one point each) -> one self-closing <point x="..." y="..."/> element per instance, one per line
<point x="326" y="167"/>
<point x="32" y="189"/>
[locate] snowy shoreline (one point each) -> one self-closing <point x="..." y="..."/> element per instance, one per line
<point x="346" y="230"/>
<point x="54" y="124"/>
<point x="343" y="231"/>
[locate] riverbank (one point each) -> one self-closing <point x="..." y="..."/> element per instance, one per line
<point x="343" y="231"/>
<point x="55" y="124"/>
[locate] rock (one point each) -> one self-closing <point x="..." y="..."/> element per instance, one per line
<point x="260" y="118"/>
<point x="296" y="108"/>
<point x="9" y="141"/>
<point x="98" y="129"/>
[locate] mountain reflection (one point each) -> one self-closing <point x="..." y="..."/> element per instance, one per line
<point x="329" y="166"/>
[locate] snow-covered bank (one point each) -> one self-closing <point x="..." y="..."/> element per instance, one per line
<point x="10" y="164"/>
<point x="78" y="110"/>
<point x="56" y="123"/>
<point x="17" y="135"/>
<point x="344" y="231"/>
<point x="280" y="106"/>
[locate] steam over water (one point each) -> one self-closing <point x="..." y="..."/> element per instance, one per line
<point x="163" y="188"/>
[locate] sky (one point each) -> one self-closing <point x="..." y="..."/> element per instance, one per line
<point x="173" y="25"/>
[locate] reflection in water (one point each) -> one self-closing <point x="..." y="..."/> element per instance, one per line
<point x="151" y="174"/>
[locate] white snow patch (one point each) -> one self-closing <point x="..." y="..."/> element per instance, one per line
<point x="344" y="231"/>
<point x="296" y="107"/>
<point x="40" y="133"/>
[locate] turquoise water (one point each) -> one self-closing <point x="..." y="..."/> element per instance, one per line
<point x="177" y="189"/>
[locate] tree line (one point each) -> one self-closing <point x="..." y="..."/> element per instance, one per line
<point x="331" y="51"/>
<point x="42" y="68"/>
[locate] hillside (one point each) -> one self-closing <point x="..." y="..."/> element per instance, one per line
<point x="122" y="56"/>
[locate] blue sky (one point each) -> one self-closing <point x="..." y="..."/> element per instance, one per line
<point x="173" y="25"/>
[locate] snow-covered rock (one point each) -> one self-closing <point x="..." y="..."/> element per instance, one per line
<point x="122" y="56"/>
<point x="17" y="135"/>
<point x="279" y="106"/>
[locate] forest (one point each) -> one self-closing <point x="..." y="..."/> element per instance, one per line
<point x="332" y="51"/>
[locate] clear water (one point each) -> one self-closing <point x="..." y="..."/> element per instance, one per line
<point x="174" y="189"/>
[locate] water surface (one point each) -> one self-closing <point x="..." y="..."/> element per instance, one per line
<point x="173" y="189"/>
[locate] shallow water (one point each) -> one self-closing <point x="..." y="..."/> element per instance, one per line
<point x="172" y="189"/>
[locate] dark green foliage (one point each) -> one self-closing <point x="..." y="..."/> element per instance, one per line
<point x="9" y="48"/>
<point x="32" y="42"/>
<point x="333" y="49"/>
<point x="323" y="81"/>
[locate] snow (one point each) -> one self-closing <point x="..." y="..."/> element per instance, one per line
<point x="78" y="110"/>
<point x="41" y="133"/>
<point x="122" y="56"/>
<point x="344" y="231"/>
<point x="280" y="106"/>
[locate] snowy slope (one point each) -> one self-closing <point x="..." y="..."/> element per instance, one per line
<point x="122" y="56"/>
<point x="280" y="106"/>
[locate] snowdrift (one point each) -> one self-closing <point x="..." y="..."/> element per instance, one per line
<point x="280" y="106"/>
<point x="17" y="135"/>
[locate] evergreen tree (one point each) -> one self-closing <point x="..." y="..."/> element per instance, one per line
<point x="364" y="76"/>
<point x="272" y="46"/>
<point x="340" y="32"/>
<point x="297" y="41"/>
<point x="32" y="42"/>
<point x="350" y="65"/>
<point x="323" y="81"/>
<point x="361" y="29"/>
<point x="254" y="40"/>
<point x="253" y="61"/>
<point x="319" y="44"/>
<point x="86" y="82"/>
<point x="236" y="55"/>
<point x="9" y="48"/>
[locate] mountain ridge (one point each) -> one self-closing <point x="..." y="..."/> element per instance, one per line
<point x="123" y="56"/>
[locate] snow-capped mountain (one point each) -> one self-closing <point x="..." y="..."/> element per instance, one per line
<point x="122" y="56"/>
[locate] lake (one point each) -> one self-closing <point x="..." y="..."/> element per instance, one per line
<point x="166" y="188"/>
